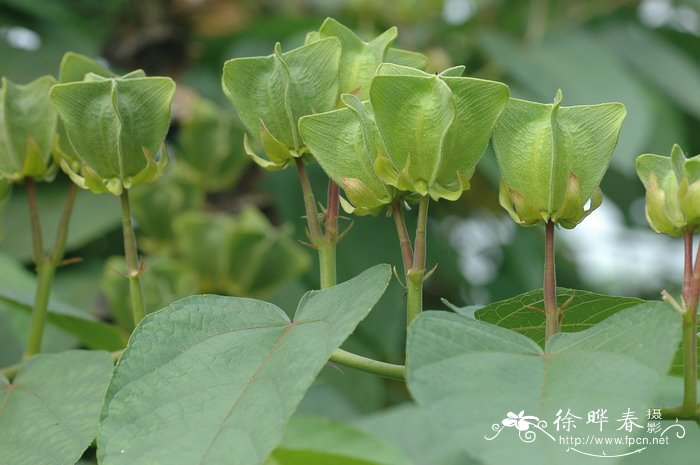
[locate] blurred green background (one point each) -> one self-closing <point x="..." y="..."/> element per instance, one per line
<point x="645" y="54"/>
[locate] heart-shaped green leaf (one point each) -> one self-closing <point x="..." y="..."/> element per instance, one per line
<point x="469" y="375"/>
<point x="213" y="380"/>
<point x="552" y="158"/>
<point x="49" y="412"/>
<point x="582" y="310"/>
<point x="27" y="126"/>
<point x="116" y="127"/>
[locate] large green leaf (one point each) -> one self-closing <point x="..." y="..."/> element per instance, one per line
<point x="213" y="380"/>
<point x="317" y="441"/>
<point x="583" y="310"/>
<point x="410" y="429"/>
<point x="49" y="412"/>
<point x="469" y="375"/>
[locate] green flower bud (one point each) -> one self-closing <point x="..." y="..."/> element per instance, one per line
<point x="74" y="67"/>
<point x="434" y="127"/>
<point x="271" y="93"/>
<point x="115" y="127"/>
<point x="345" y="143"/>
<point x="552" y="158"/>
<point x="359" y="60"/>
<point x="27" y="127"/>
<point x="673" y="191"/>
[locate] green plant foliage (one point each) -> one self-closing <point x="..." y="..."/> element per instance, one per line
<point x="164" y="280"/>
<point x="55" y="398"/>
<point x="345" y="142"/>
<point x="27" y="125"/>
<point x="93" y="216"/>
<point x="616" y="364"/>
<point x="410" y="429"/>
<point x="116" y="127"/>
<point x="318" y="441"/>
<point x="673" y="191"/>
<point x="271" y="93"/>
<point x="583" y="310"/>
<point x="359" y="60"/>
<point x="156" y="206"/>
<point x="552" y="158"/>
<point x="233" y="408"/>
<point x="239" y="255"/>
<point x="209" y="145"/>
<point x="434" y="128"/>
<point x="86" y="328"/>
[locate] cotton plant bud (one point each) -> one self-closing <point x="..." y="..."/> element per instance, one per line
<point x="271" y="93"/>
<point x="552" y="158"/>
<point x="116" y="127"/>
<point x="27" y="128"/>
<point x="672" y="191"/>
<point x="434" y="127"/>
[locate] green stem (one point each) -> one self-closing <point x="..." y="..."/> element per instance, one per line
<point x="45" y="265"/>
<point x="691" y="292"/>
<point x="414" y="276"/>
<point x="402" y="232"/>
<point x="133" y="269"/>
<point x="326" y="259"/>
<point x="386" y="370"/>
<point x="315" y="233"/>
<point x="552" y="310"/>
<point x="325" y="244"/>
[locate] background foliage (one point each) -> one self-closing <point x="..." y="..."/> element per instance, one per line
<point x="644" y="54"/>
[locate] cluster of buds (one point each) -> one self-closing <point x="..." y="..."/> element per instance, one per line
<point x="104" y="131"/>
<point x="672" y="191"/>
<point x="418" y="134"/>
<point x="272" y="92"/>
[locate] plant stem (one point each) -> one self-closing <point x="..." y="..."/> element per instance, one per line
<point x="332" y="212"/>
<point x="325" y="244"/>
<point x="414" y="276"/>
<point x="133" y="268"/>
<point x="45" y="265"/>
<point x="552" y="310"/>
<point x="315" y="233"/>
<point x="326" y="261"/>
<point x="404" y="239"/>
<point x="691" y="292"/>
<point x="387" y="370"/>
